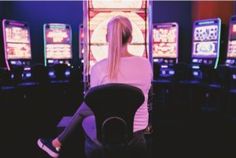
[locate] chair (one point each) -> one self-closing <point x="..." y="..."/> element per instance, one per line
<point x="114" y="106"/>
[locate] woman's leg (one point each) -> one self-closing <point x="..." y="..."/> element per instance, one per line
<point x="82" y="112"/>
<point x="53" y="147"/>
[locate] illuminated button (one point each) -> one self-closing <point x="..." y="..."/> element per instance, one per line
<point x="228" y="61"/>
<point x="195" y="67"/>
<point x="164" y="66"/>
<point x="50" y="61"/>
<point x="67" y="73"/>
<point x="28" y="75"/>
<point x="171" y="72"/>
<point x="195" y="73"/>
<point x="13" y="62"/>
<point x="234" y="76"/>
<point x="51" y="74"/>
<point x="195" y="61"/>
<point x="155" y="60"/>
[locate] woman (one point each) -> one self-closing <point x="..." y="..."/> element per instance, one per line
<point x="119" y="67"/>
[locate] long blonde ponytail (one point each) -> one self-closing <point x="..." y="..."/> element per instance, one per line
<point x="119" y="31"/>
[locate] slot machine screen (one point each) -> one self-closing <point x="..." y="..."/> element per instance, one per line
<point x="165" y="40"/>
<point x="206" y="37"/>
<point x="57" y="38"/>
<point x="16" y="40"/>
<point x="98" y="20"/>
<point x="232" y="39"/>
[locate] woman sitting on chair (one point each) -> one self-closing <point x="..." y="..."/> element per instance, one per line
<point x="119" y="67"/>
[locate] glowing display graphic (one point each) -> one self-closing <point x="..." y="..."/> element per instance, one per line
<point x="165" y="40"/>
<point x="120" y="4"/>
<point x="17" y="40"/>
<point x="98" y="29"/>
<point x="205" y="41"/>
<point x="58" y="41"/>
<point x="232" y="41"/>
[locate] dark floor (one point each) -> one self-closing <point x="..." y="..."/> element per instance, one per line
<point x="28" y="115"/>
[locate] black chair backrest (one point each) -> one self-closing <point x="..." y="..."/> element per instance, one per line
<point x="114" y="102"/>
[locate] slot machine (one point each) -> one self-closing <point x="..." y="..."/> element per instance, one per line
<point x="96" y="16"/>
<point x="205" y="45"/>
<point x="17" y="48"/>
<point x="58" y="50"/>
<point x="165" y="48"/>
<point x="228" y="71"/>
<point x="231" y="51"/>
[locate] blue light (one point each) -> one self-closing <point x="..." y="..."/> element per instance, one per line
<point x="195" y="67"/>
<point x="164" y="66"/>
<point x="28" y="75"/>
<point x="171" y="72"/>
<point x="50" y="61"/>
<point x="195" y="61"/>
<point x="51" y="74"/>
<point x="67" y="73"/>
<point x="234" y="76"/>
<point x="195" y="73"/>
<point x="206" y="22"/>
<point x="155" y="60"/>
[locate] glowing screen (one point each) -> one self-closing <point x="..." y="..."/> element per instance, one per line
<point x="165" y="40"/>
<point x="17" y="40"/>
<point x="57" y="41"/>
<point x="117" y="4"/>
<point x="98" y="29"/>
<point x="206" y="39"/>
<point x="232" y="40"/>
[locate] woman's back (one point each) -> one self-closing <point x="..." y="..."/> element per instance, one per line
<point x="135" y="71"/>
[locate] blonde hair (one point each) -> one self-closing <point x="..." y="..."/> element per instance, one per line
<point x="119" y="32"/>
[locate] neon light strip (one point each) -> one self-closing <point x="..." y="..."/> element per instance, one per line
<point x="218" y="49"/>
<point x="44" y="43"/>
<point x="206" y="22"/>
<point x="5" y="43"/>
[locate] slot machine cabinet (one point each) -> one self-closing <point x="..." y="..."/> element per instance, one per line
<point x="165" y="48"/>
<point x="81" y="41"/>
<point x="96" y="16"/>
<point x="228" y="70"/>
<point x="231" y="50"/>
<point x="58" y="50"/>
<point x="17" y="48"/>
<point x="206" y="38"/>
<point x="81" y="46"/>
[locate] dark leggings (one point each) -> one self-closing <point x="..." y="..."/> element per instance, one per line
<point x="82" y="112"/>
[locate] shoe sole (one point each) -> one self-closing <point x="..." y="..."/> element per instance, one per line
<point x="47" y="150"/>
